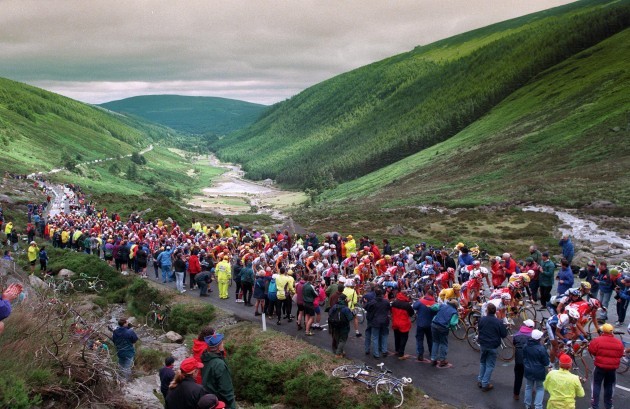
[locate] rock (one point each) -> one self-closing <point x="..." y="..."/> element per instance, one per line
<point x="133" y="321"/>
<point x="616" y="129"/>
<point x="617" y="246"/>
<point x="37" y="282"/>
<point x="6" y="199"/>
<point x="396" y="230"/>
<point x="583" y="257"/>
<point x="601" y="204"/>
<point x="140" y="392"/>
<point x="66" y="273"/>
<point x="174" y="337"/>
<point x="168" y="220"/>
<point x="88" y="306"/>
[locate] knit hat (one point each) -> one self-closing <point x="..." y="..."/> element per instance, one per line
<point x="565" y="361"/>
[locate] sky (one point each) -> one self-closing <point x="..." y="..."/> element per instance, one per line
<point x="260" y="51"/>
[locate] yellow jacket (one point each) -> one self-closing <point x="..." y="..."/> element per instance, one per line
<point x="283" y="280"/>
<point x="65" y="236"/>
<point x="33" y="251"/>
<point x="8" y="228"/>
<point x="353" y="298"/>
<point x="224" y="271"/>
<point x="563" y="388"/>
<point x="227" y="232"/>
<point x="197" y="226"/>
<point x="447" y="294"/>
<point x="351" y="247"/>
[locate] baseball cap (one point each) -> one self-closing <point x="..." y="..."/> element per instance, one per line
<point x="190" y="364"/>
<point x="536" y="334"/>
<point x="607" y="328"/>
<point x="214" y="340"/>
<point x="210" y="401"/>
<point x="529" y="323"/>
<point x="565" y="360"/>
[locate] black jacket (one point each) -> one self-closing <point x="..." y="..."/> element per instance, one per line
<point x="378" y="312"/>
<point x="166" y="377"/>
<point x="185" y="396"/>
<point x="491" y="330"/>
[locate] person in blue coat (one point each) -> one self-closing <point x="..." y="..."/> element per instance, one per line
<point x="567" y="248"/>
<point x="164" y="260"/>
<point x="424" y="316"/>
<point x="536" y="361"/>
<point x="124" y="338"/>
<point x="565" y="276"/>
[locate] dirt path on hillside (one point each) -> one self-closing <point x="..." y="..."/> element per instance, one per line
<point x="231" y="193"/>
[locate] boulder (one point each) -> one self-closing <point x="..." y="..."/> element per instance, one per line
<point x="396" y="230"/>
<point x="173" y="336"/>
<point x="133" y="321"/>
<point x="64" y="272"/>
<point x="601" y="204"/>
<point x="37" y="282"/>
<point x="581" y="258"/>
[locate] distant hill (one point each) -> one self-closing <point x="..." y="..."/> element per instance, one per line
<point x="561" y="140"/>
<point x="374" y="116"/>
<point x="196" y="115"/>
<point x="38" y="128"/>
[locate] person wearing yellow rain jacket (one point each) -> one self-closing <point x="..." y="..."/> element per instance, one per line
<point x="65" y="238"/>
<point x="8" y="228"/>
<point x="351" y="245"/>
<point x="224" y="275"/>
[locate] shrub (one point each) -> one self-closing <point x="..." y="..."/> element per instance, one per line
<point x="316" y="391"/>
<point x="190" y="318"/>
<point x="14" y="393"/>
<point x="149" y="360"/>
<point x="140" y="295"/>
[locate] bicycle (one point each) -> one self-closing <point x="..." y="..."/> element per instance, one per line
<point x="87" y="283"/>
<point x="506" y="349"/>
<point x="382" y="381"/>
<point x="63" y="286"/>
<point x="158" y="316"/>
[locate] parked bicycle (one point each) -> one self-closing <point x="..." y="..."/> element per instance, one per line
<point x="87" y="283"/>
<point x="158" y="316"/>
<point x="381" y="380"/>
<point x="62" y="285"/>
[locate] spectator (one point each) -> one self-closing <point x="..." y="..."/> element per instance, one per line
<point x="33" y="252"/>
<point x="546" y="280"/>
<point x="536" y="361"/>
<point x="179" y="267"/>
<point x="184" y="393"/>
<point x="567" y="248"/>
<point x="199" y="346"/>
<point x="491" y="331"/>
<point x="520" y="341"/>
<point x="608" y="352"/>
<point x="43" y="259"/>
<point x="210" y="401"/>
<point x="565" y="277"/>
<point x="606" y="282"/>
<point x="424" y="315"/>
<point x="166" y="375"/>
<point x="401" y="322"/>
<point x="623" y="299"/>
<point x="563" y="386"/>
<point x="124" y="338"/>
<point x="378" y="317"/>
<point x="339" y="318"/>
<point x="216" y="378"/>
<point x="446" y="317"/>
<point x="8" y="295"/>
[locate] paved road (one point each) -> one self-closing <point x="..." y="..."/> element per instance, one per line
<point x="457" y="385"/>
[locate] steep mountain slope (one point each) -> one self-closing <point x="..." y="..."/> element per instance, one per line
<point x="195" y="115"/>
<point x="39" y="129"/>
<point x="562" y="140"/>
<point x="365" y="119"/>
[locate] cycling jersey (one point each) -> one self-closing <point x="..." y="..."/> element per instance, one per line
<point x="556" y="322"/>
<point x="447" y="294"/>
<point x="498" y="303"/>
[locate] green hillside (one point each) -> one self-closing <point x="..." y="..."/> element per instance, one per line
<point x="562" y="139"/>
<point x="376" y="115"/>
<point x="196" y="115"/>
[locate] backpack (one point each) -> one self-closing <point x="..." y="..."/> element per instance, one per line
<point x="272" y="290"/>
<point x="336" y="318"/>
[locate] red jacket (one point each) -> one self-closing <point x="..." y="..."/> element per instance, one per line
<point x="607" y="350"/>
<point x="401" y="313"/>
<point x="198" y="348"/>
<point x="193" y="265"/>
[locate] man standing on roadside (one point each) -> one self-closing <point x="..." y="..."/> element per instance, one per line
<point x="378" y="318"/>
<point x="546" y="279"/>
<point x="567" y="248"/>
<point x="424" y="315"/>
<point x="446" y="317"/>
<point x="491" y="331"/>
<point x="563" y="386"/>
<point x="224" y="275"/>
<point x="608" y="352"/>
<point x="565" y="277"/>
<point x="124" y="338"/>
<point x="520" y="341"/>
<point x="536" y="361"/>
<point x="165" y="262"/>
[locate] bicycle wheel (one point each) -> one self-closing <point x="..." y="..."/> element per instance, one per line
<point x="590" y="328"/>
<point x="580" y="366"/>
<point x="151" y="319"/>
<point x="526" y="313"/>
<point x="80" y="285"/>
<point x="624" y="364"/>
<point x="345" y="371"/>
<point x="459" y="331"/>
<point x="66" y="287"/>
<point x="473" y="318"/>
<point x="360" y="314"/>
<point x="100" y="285"/>
<point x="392" y="388"/>
<point x="506" y="350"/>
<point x="471" y="337"/>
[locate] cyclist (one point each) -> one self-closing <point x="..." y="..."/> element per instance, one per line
<point x="470" y="289"/>
<point x="501" y="304"/>
<point x="445" y="279"/>
<point x="557" y="304"/>
<point x="563" y="328"/>
<point x="587" y="309"/>
<point x="450" y="293"/>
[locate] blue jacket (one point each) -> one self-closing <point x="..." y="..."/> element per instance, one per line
<point x="535" y="360"/>
<point x="259" y="288"/>
<point x="123" y="339"/>
<point x="5" y="309"/>
<point x="424" y="315"/>
<point x="491" y="331"/>
<point x="164" y="259"/>
<point x="465" y="259"/>
<point x="444" y="315"/>
<point x="567" y="249"/>
<point x="565" y="275"/>
<point x="606" y="284"/>
<point x="624" y="293"/>
<point x="520" y="340"/>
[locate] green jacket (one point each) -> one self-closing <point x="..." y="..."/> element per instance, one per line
<point x="332" y="288"/>
<point x="546" y="277"/>
<point x="216" y="378"/>
<point x="308" y="293"/>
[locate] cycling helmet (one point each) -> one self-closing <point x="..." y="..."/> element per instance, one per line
<point x="531" y="273"/>
<point x="388" y="257"/>
<point x="475" y="274"/>
<point x="573" y="313"/>
<point x="457" y="287"/>
<point x="309" y="248"/>
<point x="353" y="255"/>
<point x="400" y="264"/>
<point x="594" y="303"/>
<point x="450" y="270"/>
<point x="585" y="285"/>
<point x="574" y="292"/>
<point x="431" y="272"/>
<point x="563" y="319"/>
<point x="506" y="296"/>
<point x="526" y="278"/>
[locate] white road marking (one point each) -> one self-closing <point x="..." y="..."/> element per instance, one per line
<point x="623" y="388"/>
